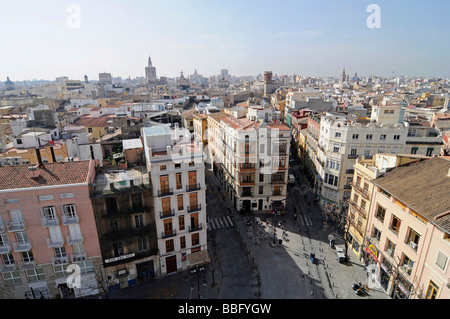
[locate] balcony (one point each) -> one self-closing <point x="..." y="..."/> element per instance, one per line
<point x="15" y="225"/>
<point x="247" y="166"/>
<point x="192" y="187"/>
<point x="167" y="214"/>
<point x="8" y="267"/>
<point x="51" y="243"/>
<point x="363" y="192"/>
<point x="50" y="221"/>
<point x="27" y="264"/>
<point x="60" y="260"/>
<point x="5" y="248"/>
<point x="195" y="227"/>
<point x="168" y="233"/>
<point x="73" y="240"/>
<point x="277" y="181"/>
<point x="353" y="156"/>
<point x="358" y="209"/>
<point x="78" y="257"/>
<point x="349" y="171"/>
<point x="165" y="191"/>
<point x="69" y="219"/>
<point x="24" y="245"/>
<point x="194" y="208"/>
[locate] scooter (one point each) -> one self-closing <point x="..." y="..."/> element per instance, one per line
<point x="360" y="291"/>
<point x="357" y="286"/>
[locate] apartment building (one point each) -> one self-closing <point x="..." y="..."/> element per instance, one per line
<point x="177" y="175"/>
<point x="122" y="200"/>
<point x="365" y="171"/>
<point x="251" y="159"/>
<point x="407" y="236"/>
<point x="47" y="223"/>
<point x="341" y="141"/>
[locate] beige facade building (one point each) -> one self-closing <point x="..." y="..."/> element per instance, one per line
<point x="408" y="234"/>
<point x="365" y="171"/>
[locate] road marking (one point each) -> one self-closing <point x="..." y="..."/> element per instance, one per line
<point x="305" y="220"/>
<point x="221" y="222"/>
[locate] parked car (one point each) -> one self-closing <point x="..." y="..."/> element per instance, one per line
<point x="340" y="252"/>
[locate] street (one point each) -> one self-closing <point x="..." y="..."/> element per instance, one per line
<point x="249" y="261"/>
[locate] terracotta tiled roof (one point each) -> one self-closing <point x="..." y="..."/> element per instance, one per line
<point x="87" y="120"/>
<point x="423" y="186"/>
<point x="59" y="173"/>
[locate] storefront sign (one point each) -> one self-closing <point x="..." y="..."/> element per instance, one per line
<point x="119" y="258"/>
<point x="372" y="250"/>
<point x="402" y="288"/>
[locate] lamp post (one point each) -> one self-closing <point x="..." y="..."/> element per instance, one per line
<point x="197" y="270"/>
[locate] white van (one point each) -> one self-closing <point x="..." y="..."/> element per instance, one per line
<point x="291" y="179"/>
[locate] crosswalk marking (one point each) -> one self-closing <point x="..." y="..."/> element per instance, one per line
<point x="305" y="220"/>
<point x="220" y="222"/>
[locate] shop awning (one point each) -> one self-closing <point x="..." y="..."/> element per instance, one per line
<point x="198" y="258"/>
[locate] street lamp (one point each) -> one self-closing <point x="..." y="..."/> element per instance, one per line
<point x="197" y="270"/>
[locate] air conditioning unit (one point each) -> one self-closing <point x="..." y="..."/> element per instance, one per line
<point x="68" y="159"/>
<point x="9" y="161"/>
<point x="17" y="160"/>
<point x="390" y="252"/>
<point x="413" y="245"/>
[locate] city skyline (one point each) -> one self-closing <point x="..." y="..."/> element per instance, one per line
<point x="74" y="38"/>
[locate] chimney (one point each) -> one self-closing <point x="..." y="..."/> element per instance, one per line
<point x="34" y="171"/>
<point x="53" y="154"/>
<point x="38" y="154"/>
<point x="92" y="152"/>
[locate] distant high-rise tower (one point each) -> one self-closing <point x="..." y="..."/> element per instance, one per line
<point x="150" y="72"/>
<point x="86" y="80"/>
<point x="343" y="76"/>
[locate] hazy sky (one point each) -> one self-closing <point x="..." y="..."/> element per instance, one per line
<point x="309" y="38"/>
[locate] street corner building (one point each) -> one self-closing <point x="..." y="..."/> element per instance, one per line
<point x="249" y="151"/>
<point x="177" y="175"/>
<point x="47" y="223"/>
<point x="407" y="236"/>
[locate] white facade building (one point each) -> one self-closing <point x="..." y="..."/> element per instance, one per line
<point x="176" y="167"/>
<point x="251" y="158"/>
